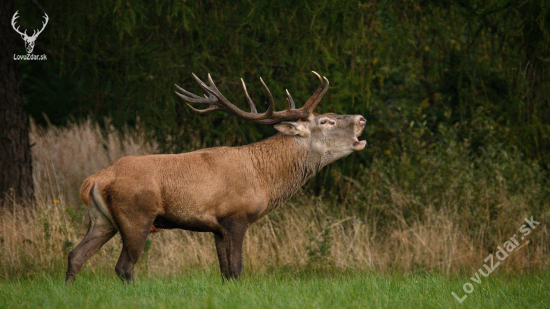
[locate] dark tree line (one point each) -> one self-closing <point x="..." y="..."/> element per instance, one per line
<point x="15" y="157"/>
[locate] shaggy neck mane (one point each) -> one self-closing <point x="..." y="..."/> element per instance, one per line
<point x="283" y="164"/>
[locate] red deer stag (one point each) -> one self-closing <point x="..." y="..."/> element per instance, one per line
<point x="222" y="190"/>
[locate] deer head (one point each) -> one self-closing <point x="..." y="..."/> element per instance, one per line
<point x="29" y="40"/>
<point x="327" y="137"/>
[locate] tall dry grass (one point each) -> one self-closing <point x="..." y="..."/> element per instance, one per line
<point x="372" y="229"/>
<point x="64" y="156"/>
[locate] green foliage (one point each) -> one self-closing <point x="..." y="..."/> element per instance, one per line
<point x="475" y="178"/>
<point x="318" y="250"/>
<point x="426" y="74"/>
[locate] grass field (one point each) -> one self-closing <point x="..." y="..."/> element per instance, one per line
<point x="279" y="289"/>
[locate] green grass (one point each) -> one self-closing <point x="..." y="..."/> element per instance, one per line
<point x="280" y="290"/>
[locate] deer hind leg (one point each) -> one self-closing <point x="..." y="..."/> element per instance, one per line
<point x="100" y="230"/>
<point x="134" y="237"/>
<point x="134" y="224"/>
<point x="134" y="214"/>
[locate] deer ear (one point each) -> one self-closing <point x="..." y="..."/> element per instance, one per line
<point x="292" y="128"/>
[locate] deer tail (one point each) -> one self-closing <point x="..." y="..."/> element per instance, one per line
<point x="87" y="186"/>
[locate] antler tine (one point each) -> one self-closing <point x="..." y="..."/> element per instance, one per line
<point x="13" y="22"/>
<point x="320" y="96"/>
<point x="198" y="99"/>
<point x="187" y="92"/>
<point x="193" y="98"/>
<point x="203" y="85"/>
<point x="269" y="110"/>
<point x="217" y="92"/>
<point x="289" y="100"/>
<point x="316" y="96"/>
<point x="44" y="23"/>
<point x="225" y="105"/>
<point x="206" y="110"/>
<point x="249" y="100"/>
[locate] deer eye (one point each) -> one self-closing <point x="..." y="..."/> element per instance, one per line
<point x="324" y="121"/>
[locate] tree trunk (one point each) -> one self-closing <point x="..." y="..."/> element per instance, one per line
<point x="15" y="154"/>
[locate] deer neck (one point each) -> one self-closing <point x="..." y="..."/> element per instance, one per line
<point x="284" y="165"/>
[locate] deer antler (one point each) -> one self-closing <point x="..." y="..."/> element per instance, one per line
<point x="217" y="102"/>
<point x="44" y="23"/>
<point x="35" y="33"/>
<point x="15" y="16"/>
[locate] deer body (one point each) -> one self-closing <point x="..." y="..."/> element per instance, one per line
<point x="220" y="190"/>
<point x="192" y="190"/>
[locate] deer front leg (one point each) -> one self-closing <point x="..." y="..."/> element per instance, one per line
<point x="234" y="230"/>
<point x="222" y="254"/>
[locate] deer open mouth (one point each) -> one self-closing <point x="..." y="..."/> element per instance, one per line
<point x="357" y="144"/>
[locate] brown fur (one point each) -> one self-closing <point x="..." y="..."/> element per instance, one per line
<point x="220" y="190"/>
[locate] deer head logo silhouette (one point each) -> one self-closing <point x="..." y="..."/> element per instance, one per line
<point x="29" y="40"/>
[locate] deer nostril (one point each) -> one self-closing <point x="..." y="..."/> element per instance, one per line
<point x="362" y="121"/>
